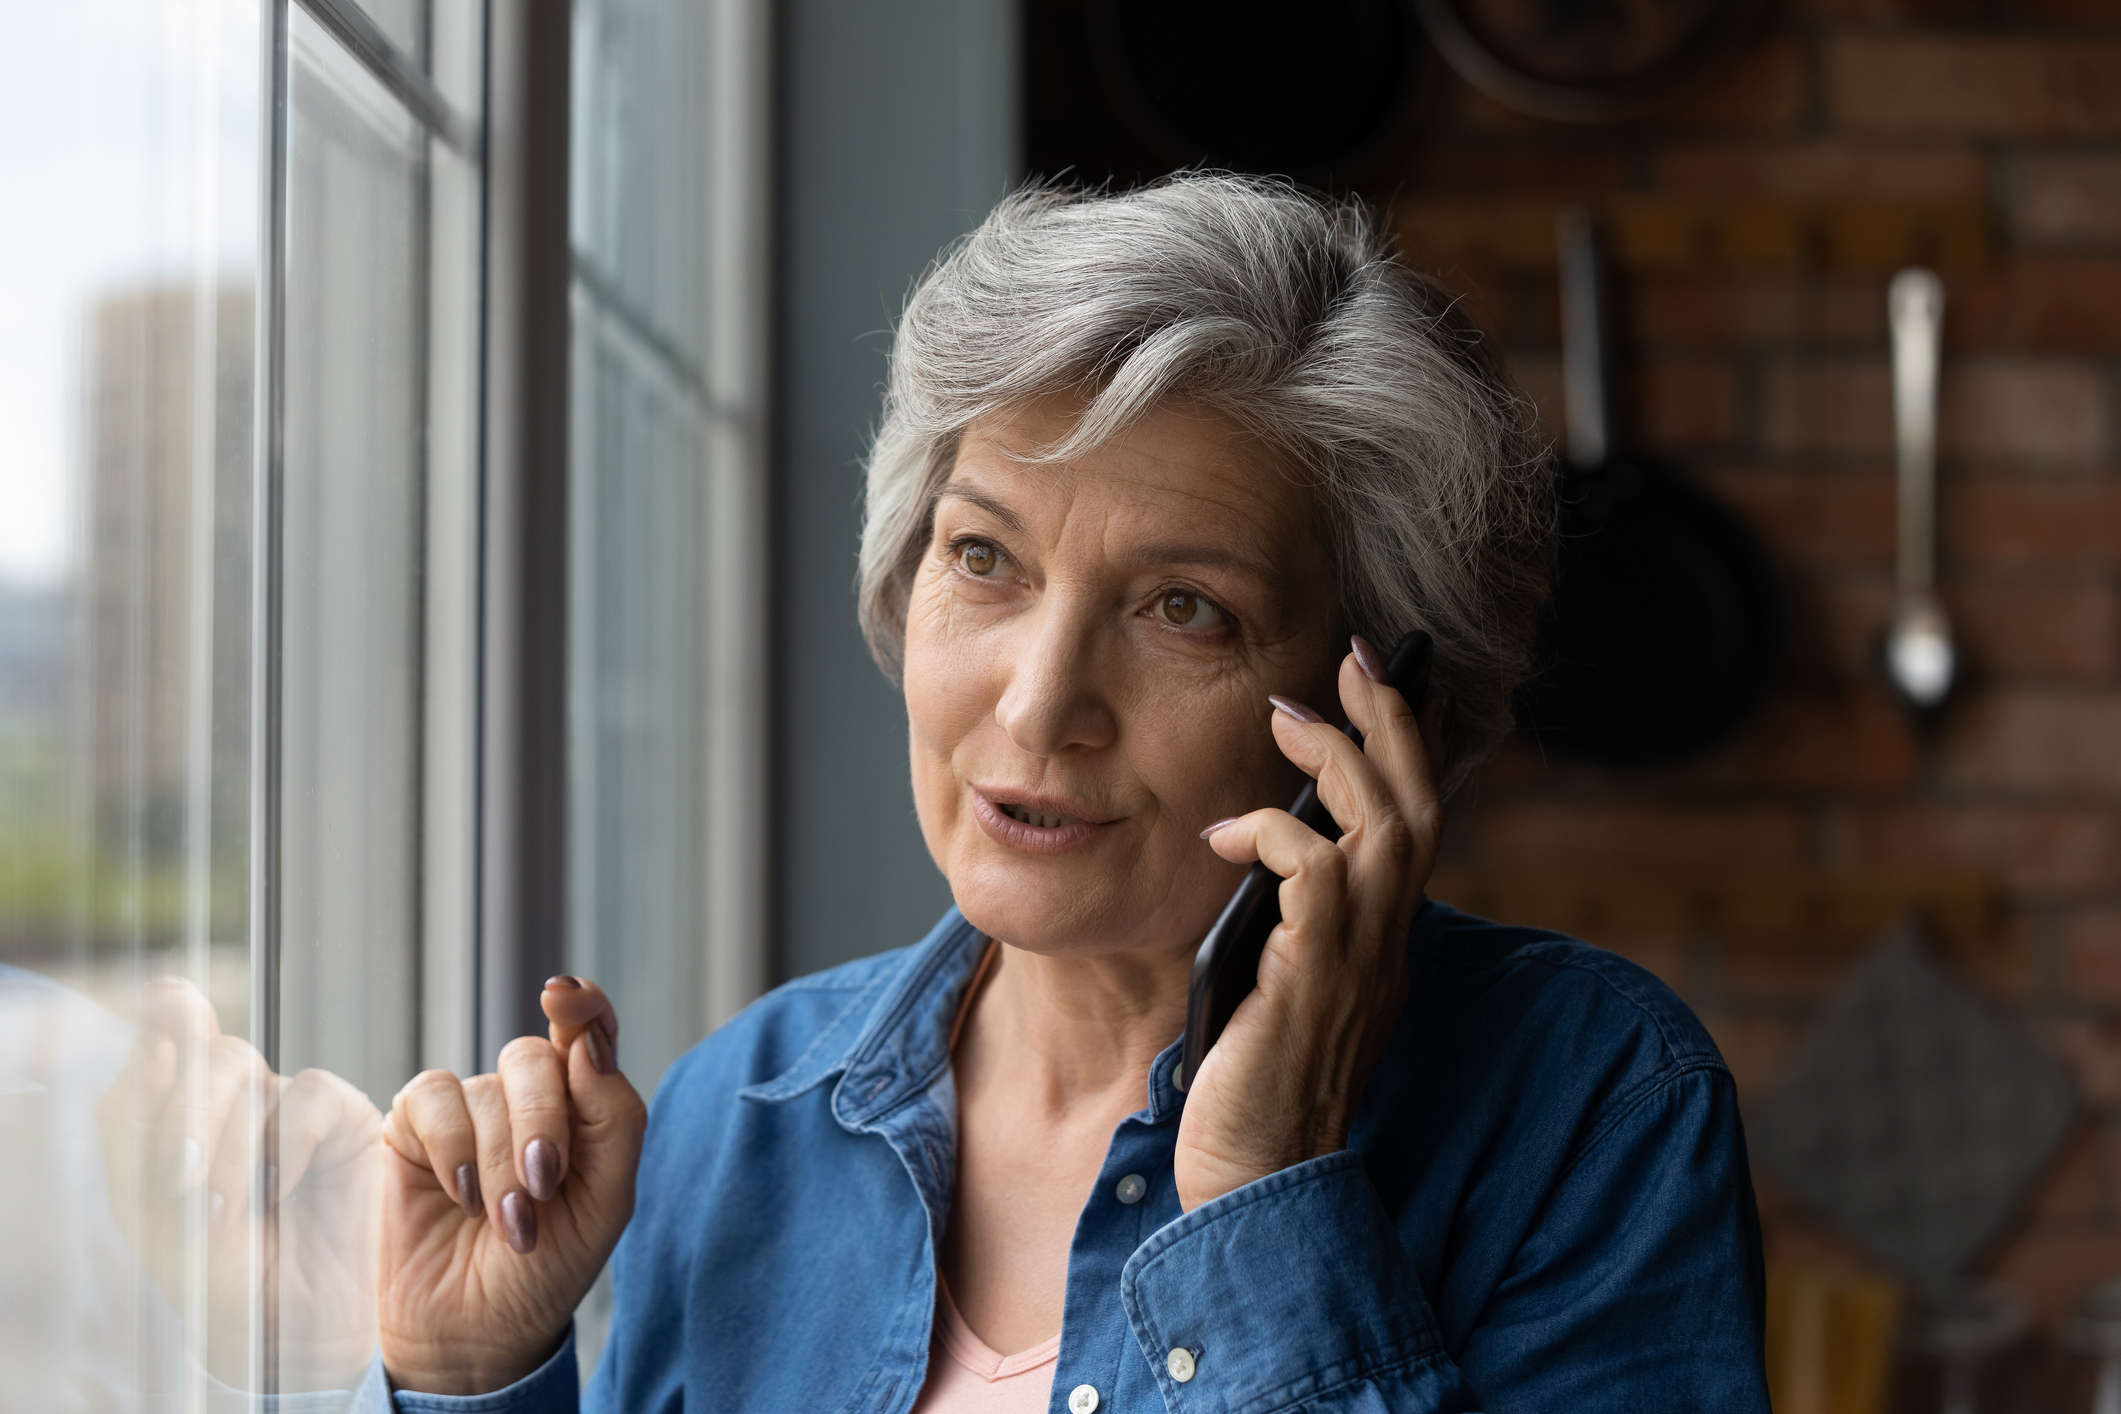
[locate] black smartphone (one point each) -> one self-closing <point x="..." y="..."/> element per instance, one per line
<point x="1227" y="966"/>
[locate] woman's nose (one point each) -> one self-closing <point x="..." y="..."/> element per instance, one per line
<point x="1056" y="697"/>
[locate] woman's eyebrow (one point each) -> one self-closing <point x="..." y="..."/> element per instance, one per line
<point x="1210" y="556"/>
<point x="998" y="509"/>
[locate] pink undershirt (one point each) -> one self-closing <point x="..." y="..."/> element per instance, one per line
<point x="965" y="1374"/>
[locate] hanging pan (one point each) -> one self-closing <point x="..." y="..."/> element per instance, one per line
<point x="1665" y="626"/>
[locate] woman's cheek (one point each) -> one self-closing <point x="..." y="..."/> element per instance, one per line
<point x="1210" y="751"/>
<point x="944" y="673"/>
<point x="943" y="690"/>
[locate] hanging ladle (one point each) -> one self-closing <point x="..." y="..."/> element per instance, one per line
<point x="1919" y="656"/>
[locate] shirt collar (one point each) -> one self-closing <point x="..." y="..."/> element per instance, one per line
<point x="893" y="1040"/>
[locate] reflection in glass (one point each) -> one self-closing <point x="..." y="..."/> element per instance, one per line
<point x="190" y="1084"/>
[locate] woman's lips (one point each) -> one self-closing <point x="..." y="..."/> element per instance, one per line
<point x="1020" y="823"/>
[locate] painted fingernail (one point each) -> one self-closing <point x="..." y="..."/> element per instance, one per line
<point x="1369" y="660"/>
<point x="1227" y="820"/>
<point x="1294" y="708"/>
<point x="468" y="1190"/>
<point x="566" y="980"/>
<point x="541" y="1169"/>
<point x="520" y="1221"/>
<point x="599" y="1050"/>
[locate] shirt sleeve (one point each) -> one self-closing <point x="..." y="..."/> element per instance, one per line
<point x="1644" y="1274"/>
<point x="553" y="1388"/>
<point x="1291" y="1291"/>
<point x="1636" y="1291"/>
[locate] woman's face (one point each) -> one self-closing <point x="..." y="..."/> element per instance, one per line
<point x="1089" y="650"/>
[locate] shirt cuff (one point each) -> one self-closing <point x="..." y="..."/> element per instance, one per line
<point x="555" y="1387"/>
<point x="227" y="1399"/>
<point x="1293" y="1290"/>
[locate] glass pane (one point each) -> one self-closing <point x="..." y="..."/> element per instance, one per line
<point x="172" y="1231"/>
<point x="404" y="24"/>
<point x="126" y="395"/>
<point x="350" y="631"/>
<point x="638" y="507"/>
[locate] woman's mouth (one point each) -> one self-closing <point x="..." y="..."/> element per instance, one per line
<point x="1034" y="825"/>
<point x="1024" y="814"/>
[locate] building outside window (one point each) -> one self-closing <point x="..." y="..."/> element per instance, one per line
<point x="294" y="698"/>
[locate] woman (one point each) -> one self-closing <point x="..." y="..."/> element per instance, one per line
<point x="1147" y="463"/>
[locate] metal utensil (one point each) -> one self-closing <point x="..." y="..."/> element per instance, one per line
<point x="1919" y="654"/>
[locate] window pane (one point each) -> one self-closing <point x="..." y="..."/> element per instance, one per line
<point x="404" y="24"/>
<point x="151" y="734"/>
<point x="126" y="354"/>
<point x="350" y="631"/>
<point x="638" y="510"/>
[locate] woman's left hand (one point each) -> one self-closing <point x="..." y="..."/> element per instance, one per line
<point x="1280" y="1085"/>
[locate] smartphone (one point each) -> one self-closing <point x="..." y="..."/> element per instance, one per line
<point x="1226" y="968"/>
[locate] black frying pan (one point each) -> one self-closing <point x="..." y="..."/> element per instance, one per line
<point x="1665" y="626"/>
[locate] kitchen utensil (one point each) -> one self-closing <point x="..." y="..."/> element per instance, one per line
<point x="1915" y="1115"/>
<point x="1919" y="656"/>
<point x="1664" y="629"/>
<point x="1580" y="63"/>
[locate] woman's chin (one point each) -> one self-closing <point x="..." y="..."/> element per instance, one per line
<point x="1075" y="903"/>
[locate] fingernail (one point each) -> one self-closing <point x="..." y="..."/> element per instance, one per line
<point x="599" y="1050"/>
<point x="1368" y="659"/>
<point x="541" y="1169"/>
<point x="214" y="1204"/>
<point x="520" y="1221"/>
<point x="564" y="979"/>
<point x="1294" y="708"/>
<point x="468" y="1191"/>
<point x="610" y="1029"/>
<point x="1227" y="820"/>
<point x="191" y="1164"/>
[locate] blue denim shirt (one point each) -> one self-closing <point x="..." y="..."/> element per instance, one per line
<point x="1544" y="1205"/>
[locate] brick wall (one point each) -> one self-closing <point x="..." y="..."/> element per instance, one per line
<point x="1755" y="227"/>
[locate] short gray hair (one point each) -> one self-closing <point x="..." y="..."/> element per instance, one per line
<point x="1288" y="314"/>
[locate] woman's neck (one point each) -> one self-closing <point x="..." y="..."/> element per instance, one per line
<point x="1064" y="1030"/>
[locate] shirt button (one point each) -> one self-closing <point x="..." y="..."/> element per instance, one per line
<point x="1180" y="1363"/>
<point x="1131" y="1188"/>
<point x="1082" y="1400"/>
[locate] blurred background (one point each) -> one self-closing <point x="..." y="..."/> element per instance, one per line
<point x="429" y="480"/>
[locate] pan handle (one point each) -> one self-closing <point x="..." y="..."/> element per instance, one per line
<point x="1583" y="341"/>
<point x="1915" y="303"/>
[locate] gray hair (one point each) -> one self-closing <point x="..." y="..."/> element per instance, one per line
<point x="1286" y="313"/>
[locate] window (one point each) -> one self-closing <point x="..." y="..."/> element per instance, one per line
<point x="314" y="651"/>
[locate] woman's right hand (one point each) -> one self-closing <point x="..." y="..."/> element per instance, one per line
<point x="503" y="1196"/>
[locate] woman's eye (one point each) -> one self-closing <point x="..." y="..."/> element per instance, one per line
<point x="1188" y="610"/>
<point x="981" y="560"/>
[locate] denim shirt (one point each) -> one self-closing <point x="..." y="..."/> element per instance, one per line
<point x="1544" y="1205"/>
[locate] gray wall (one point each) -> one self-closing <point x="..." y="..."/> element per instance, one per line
<point x="899" y="131"/>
